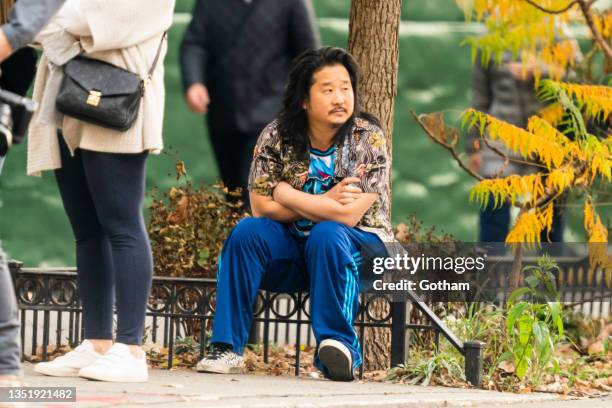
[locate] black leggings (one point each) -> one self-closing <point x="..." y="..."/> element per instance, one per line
<point x="102" y="195"/>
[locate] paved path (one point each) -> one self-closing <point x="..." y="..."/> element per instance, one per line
<point x="184" y="388"/>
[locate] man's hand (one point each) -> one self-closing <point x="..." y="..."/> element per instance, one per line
<point x="523" y="70"/>
<point x="344" y="192"/>
<point x="197" y="98"/>
<point x="5" y="47"/>
<point x="475" y="162"/>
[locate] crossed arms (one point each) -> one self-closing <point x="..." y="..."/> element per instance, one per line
<point x="344" y="203"/>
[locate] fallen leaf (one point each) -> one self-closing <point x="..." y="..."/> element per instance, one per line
<point x="556" y="388"/>
<point x="596" y="347"/>
<point x="507" y="366"/>
<point x="174" y="385"/>
<point x="181" y="170"/>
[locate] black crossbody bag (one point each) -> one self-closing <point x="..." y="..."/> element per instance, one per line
<point x="101" y="93"/>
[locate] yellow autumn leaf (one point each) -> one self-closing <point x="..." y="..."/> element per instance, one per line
<point x="596" y="100"/>
<point x="597" y="242"/>
<point x="529" y="225"/>
<point x="552" y="113"/>
<point x="508" y="189"/>
<point x="561" y="178"/>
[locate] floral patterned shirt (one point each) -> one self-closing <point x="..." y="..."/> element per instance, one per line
<point x="363" y="154"/>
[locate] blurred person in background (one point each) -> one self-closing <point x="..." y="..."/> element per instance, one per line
<point x="506" y="91"/>
<point x="20" y="23"/>
<point x="234" y="59"/>
<point x="100" y="174"/>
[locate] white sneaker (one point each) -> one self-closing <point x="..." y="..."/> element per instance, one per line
<point x="337" y="359"/>
<point x="118" y="365"/>
<point x="70" y="363"/>
<point x="221" y="360"/>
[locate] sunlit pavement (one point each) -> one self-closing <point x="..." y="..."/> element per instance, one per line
<point x="185" y="388"/>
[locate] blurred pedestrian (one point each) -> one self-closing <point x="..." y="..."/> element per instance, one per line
<point x="506" y="91"/>
<point x="100" y="172"/>
<point x="235" y="59"/>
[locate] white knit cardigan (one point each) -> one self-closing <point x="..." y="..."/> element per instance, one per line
<point x="123" y="33"/>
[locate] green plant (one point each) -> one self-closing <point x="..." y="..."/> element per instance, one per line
<point x="534" y="326"/>
<point x="485" y="323"/>
<point x="526" y="344"/>
<point x="586" y="368"/>
<point x="443" y="365"/>
<point x="442" y="368"/>
<point x="186" y="345"/>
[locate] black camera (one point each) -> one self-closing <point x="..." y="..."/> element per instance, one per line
<point x="15" y="114"/>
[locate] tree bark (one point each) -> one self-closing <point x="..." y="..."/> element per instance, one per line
<point x="604" y="43"/>
<point x="373" y="41"/>
<point x="517" y="267"/>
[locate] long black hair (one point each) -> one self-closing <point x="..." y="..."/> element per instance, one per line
<point x="292" y="120"/>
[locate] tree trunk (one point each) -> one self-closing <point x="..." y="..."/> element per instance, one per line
<point x="517" y="263"/>
<point x="373" y="41"/>
<point x="517" y="266"/>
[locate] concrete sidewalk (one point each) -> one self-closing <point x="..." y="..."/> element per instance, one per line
<point x="184" y="388"/>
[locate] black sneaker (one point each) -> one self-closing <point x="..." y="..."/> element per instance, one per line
<point x="222" y="360"/>
<point x="337" y="360"/>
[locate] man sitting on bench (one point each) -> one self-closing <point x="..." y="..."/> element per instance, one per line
<point x="319" y="185"/>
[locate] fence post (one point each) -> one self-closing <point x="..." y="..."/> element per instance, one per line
<point x="14" y="268"/>
<point x="473" y="362"/>
<point x="398" y="333"/>
<point x="254" y="336"/>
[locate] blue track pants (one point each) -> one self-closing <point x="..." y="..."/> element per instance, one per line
<point x="264" y="254"/>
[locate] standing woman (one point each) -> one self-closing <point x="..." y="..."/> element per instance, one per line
<point x="100" y="173"/>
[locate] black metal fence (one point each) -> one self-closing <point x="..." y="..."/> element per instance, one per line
<point x="51" y="312"/>
<point x="580" y="286"/>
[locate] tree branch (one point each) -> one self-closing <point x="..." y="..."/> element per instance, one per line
<point x="448" y="147"/>
<point x="543" y="201"/>
<point x="597" y="204"/>
<point x="501" y="154"/>
<point x="511" y="160"/>
<point x="585" y="7"/>
<point x="549" y="194"/>
<point x="588" y="16"/>
<point x="548" y="11"/>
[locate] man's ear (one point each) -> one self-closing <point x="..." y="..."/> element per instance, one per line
<point x="305" y="104"/>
